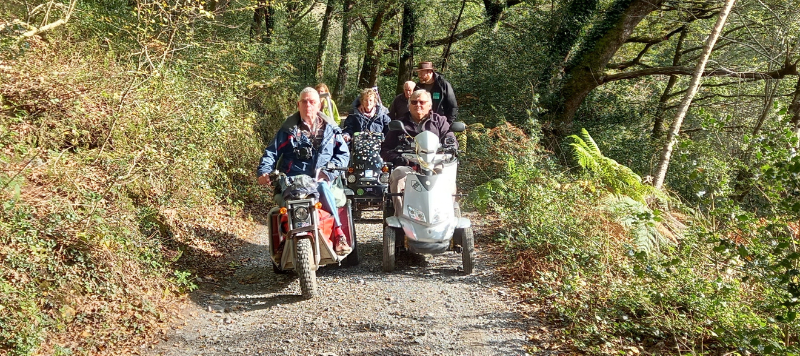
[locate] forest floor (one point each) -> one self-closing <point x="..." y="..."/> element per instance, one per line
<point x="426" y="307"/>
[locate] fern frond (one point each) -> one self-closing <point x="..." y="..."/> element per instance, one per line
<point x="590" y="144"/>
<point x="637" y="218"/>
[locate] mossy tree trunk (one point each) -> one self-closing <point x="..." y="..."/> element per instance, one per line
<point x="589" y="62"/>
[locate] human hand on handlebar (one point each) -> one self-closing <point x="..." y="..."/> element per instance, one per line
<point x="264" y="179"/>
<point x="401" y="161"/>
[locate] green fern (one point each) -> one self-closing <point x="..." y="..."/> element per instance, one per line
<point x="646" y="230"/>
<point x="618" y="178"/>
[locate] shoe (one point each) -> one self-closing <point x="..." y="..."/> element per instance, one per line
<point x="341" y="242"/>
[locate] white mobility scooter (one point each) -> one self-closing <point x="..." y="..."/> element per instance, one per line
<point x="431" y="221"/>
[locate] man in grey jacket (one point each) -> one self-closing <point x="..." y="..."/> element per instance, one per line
<point x="442" y="94"/>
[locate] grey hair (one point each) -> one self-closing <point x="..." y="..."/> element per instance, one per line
<point x="307" y="90"/>
<point x="419" y="92"/>
<point x="409" y="84"/>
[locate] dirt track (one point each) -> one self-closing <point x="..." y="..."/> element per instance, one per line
<point x="426" y="307"/>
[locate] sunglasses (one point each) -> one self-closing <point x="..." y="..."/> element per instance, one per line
<point x="420" y="102"/>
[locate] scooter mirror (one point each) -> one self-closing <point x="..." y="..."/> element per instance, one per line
<point x="396" y="125"/>
<point x="458" y="126"/>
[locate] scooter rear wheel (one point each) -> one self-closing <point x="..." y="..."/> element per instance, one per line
<point x="468" y="250"/>
<point x="388" y="248"/>
<point x="305" y="261"/>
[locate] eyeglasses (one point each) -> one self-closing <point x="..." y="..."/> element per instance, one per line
<point x="420" y="102"/>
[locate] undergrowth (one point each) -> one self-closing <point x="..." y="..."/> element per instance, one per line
<point x="118" y="186"/>
<point x="620" y="276"/>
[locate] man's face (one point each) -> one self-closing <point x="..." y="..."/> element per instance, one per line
<point x="407" y="90"/>
<point x="419" y="107"/>
<point x="425" y="76"/>
<point x="308" y="106"/>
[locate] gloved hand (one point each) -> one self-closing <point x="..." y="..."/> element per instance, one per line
<point x="450" y="142"/>
<point x="401" y="161"/>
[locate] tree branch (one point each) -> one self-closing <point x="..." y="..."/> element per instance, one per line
<point x="788" y="69"/>
<point x="463" y="34"/>
<point x="67" y="13"/>
<point x="654" y="40"/>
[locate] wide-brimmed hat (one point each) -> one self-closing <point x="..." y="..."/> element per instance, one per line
<point x="424" y="66"/>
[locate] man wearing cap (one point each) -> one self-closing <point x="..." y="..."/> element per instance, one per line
<point x="442" y="94"/>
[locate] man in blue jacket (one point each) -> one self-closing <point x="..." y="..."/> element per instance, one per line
<point x="442" y="94"/>
<point x="306" y="142"/>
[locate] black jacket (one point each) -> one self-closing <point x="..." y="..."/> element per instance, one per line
<point x="436" y="124"/>
<point x="399" y="107"/>
<point x="443" y="96"/>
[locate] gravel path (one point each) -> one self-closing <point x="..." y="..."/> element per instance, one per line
<point x="426" y="307"/>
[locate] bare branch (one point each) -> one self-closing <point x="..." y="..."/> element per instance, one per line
<point x="788" y="69"/>
<point x="68" y="10"/>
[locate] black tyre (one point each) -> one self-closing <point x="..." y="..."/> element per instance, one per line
<point x="389" y="240"/>
<point x="468" y="250"/>
<point x="458" y="234"/>
<point x="305" y="261"/>
<point x="388" y="210"/>
<point x="352" y="259"/>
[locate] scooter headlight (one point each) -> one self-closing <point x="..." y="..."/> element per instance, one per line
<point x="351" y="178"/>
<point x="301" y="214"/>
<point x="416" y="214"/>
<point x="384" y="178"/>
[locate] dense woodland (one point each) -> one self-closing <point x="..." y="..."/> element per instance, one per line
<point x="130" y="132"/>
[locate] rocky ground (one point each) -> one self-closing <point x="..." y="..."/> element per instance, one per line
<point x="426" y="307"/>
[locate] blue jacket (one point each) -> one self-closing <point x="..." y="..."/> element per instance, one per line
<point x="358" y="122"/>
<point x="282" y="150"/>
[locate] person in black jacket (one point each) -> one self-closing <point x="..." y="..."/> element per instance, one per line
<point x="442" y="94"/>
<point x="399" y="106"/>
<point x="419" y="118"/>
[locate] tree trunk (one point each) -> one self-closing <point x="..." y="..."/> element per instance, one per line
<point x="446" y="52"/>
<point x="369" y="69"/>
<point x="672" y="136"/>
<point x="580" y="74"/>
<point x="406" y="64"/>
<point x="794" y="111"/>
<point x="743" y="184"/>
<point x="341" y="76"/>
<point x="263" y="13"/>
<point x="574" y="16"/>
<point x="323" y="39"/>
<point x="658" y="121"/>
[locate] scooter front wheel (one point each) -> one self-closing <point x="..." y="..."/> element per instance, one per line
<point x="388" y="248"/>
<point x="305" y="261"/>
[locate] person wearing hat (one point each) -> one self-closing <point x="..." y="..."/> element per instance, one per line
<point x="442" y="94"/>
